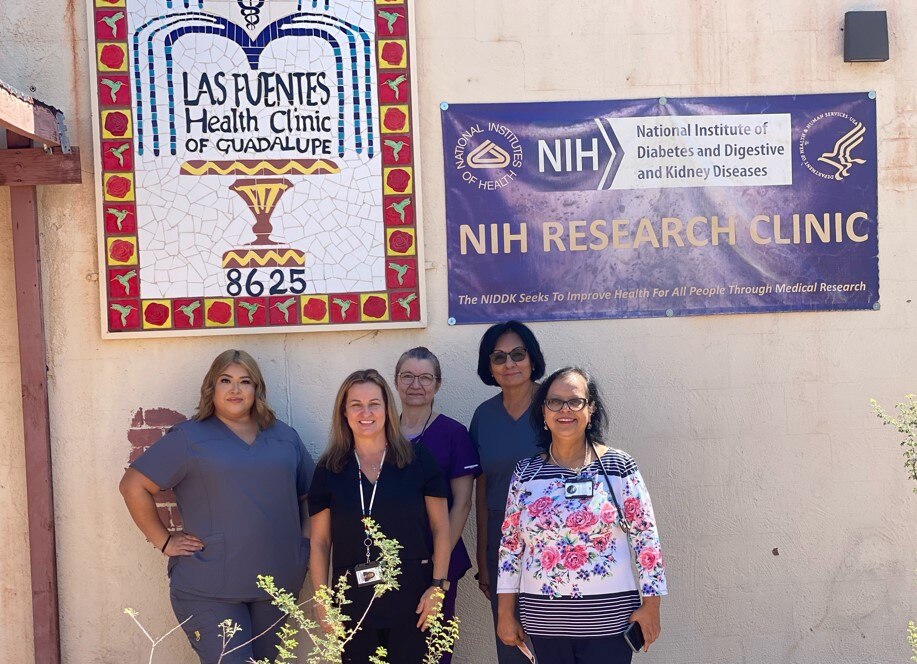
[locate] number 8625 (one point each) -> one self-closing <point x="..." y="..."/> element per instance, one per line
<point x="282" y="281"/>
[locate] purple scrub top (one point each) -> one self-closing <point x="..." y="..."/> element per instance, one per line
<point x="449" y="443"/>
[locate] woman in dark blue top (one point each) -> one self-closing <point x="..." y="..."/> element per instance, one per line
<point x="510" y="358"/>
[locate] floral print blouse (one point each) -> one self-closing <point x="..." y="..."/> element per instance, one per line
<point x="569" y="558"/>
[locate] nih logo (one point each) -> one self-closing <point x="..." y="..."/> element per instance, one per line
<point x="591" y="161"/>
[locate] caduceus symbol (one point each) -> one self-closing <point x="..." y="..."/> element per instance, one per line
<point x="251" y="12"/>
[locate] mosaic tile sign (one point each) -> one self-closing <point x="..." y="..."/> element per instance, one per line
<point x="256" y="166"/>
<point x="661" y="207"/>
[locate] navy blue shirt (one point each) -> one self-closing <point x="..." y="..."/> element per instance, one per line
<point x="242" y="500"/>
<point x="501" y="442"/>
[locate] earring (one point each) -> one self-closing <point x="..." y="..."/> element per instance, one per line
<point x="545" y="426"/>
<point x="589" y="426"/>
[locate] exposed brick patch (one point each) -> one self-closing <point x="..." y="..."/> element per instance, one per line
<point x="148" y="426"/>
<point x="162" y="417"/>
<point x="141" y="439"/>
<point x="168" y="514"/>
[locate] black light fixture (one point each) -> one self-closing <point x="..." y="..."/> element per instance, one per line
<point x="865" y="36"/>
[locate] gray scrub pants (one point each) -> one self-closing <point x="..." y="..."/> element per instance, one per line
<point x="203" y="630"/>
<point x="505" y="654"/>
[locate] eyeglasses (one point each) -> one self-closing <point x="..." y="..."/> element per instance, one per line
<point x="517" y="354"/>
<point x="575" y="404"/>
<point x="406" y="378"/>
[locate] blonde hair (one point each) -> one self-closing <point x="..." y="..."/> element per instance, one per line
<point x="261" y="412"/>
<point x="340" y="441"/>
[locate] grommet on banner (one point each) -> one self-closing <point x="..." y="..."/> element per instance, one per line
<point x="669" y="312"/>
<point x="663" y="101"/>
<point x="871" y="94"/>
<point x="876" y="306"/>
<point x="451" y="320"/>
<point x="444" y="105"/>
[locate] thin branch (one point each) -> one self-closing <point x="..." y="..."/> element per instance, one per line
<point x="142" y="628"/>
<point x="255" y="638"/>
<point x="173" y="629"/>
<point x="155" y="642"/>
<point x="360" y="621"/>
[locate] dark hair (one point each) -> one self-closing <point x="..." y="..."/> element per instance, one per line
<point x="420" y="353"/>
<point x="489" y="340"/>
<point x="597" y="422"/>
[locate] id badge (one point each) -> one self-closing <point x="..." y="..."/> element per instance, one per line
<point x="578" y="488"/>
<point x="368" y="574"/>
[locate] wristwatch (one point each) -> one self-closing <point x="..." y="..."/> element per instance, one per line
<point x="443" y="584"/>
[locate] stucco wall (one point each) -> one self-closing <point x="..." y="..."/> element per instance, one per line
<point x="753" y="432"/>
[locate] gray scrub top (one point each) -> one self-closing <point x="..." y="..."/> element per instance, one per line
<point x="241" y="500"/>
<point x="501" y="442"/>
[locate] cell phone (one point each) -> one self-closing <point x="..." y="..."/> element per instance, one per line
<point x="634" y="637"/>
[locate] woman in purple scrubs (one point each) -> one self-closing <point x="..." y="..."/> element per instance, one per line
<point x="418" y="377"/>
<point x="240" y="476"/>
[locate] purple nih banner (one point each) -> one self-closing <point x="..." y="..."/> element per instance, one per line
<point x="661" y="207"/>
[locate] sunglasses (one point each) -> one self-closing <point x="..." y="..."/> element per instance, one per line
<point x="517" y="354"/>
<point x="575" y="404"/>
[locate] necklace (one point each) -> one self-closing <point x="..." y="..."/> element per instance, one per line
<point x="575" y="470"/>
<point x="419" y="436"/>
<point x="371" y="466"/>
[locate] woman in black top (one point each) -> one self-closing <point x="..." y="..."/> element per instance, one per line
<point x="403" y="490"/>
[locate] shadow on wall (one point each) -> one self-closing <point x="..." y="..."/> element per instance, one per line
<point x="148" y="426"/>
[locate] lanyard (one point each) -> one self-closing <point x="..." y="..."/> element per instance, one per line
<point x="367" y="542"/>
<point x="419" y="436"/>
<point x="621" y="521"/>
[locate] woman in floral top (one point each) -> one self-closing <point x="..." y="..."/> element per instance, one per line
<point x="564" y="551"/>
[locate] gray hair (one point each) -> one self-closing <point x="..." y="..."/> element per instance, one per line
<point x="420" y="353"/>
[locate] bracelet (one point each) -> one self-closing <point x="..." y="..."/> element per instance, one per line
<point x="168" y="539"/>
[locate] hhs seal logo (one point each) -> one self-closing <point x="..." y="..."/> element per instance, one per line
<point x="831" y="144"/>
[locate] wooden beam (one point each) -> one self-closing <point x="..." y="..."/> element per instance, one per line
<point x="27" y="117"/>
<point x="34" y="166"/>
<point x="35" y="419"/>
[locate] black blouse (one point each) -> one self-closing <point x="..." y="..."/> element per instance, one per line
<point x="399" y="510"/>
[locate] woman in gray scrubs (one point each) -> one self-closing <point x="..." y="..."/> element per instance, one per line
<point x="510" y="358"/>
<point x="240" y="477"/>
